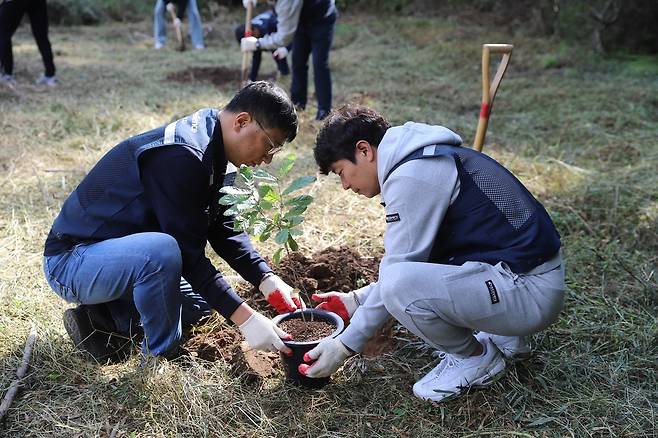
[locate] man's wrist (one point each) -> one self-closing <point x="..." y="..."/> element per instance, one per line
<point x="241" y="314"/>
<point x="266" y="276"/>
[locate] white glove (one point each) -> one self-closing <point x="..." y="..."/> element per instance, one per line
<point x="245" y="3"/>
<point x="342" y="304"/>
<point x="249" y="44"/>
<point x="329" y="355"/>
<point x="262" y="334"/>
<point x="280" y="53"/>
<point x="280" y="296"/>
<point x="170" y="7"/>
<point x="177" y="22"/>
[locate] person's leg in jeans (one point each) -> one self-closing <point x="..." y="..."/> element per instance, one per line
<point x="10" y="18"/>
<point x="301" y="51"/>
<point x="196" y="29"/>
<point x="38" y="13"/>
<point x="159" y="24"/>
<point x="144" y="267"/>
<point x="322" y="36"/>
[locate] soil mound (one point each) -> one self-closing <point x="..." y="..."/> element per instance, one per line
<point x="333" y="269"/>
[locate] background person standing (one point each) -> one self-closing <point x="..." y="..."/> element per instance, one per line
<point x="309" y="24"/>
<point x="193" y="16"/>
<point x="11" y="13"/>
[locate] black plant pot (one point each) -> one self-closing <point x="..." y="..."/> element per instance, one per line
<point x="299" y="349"/>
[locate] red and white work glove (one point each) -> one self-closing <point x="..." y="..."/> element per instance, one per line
<point x="262" y="334"/>
<point x="280" y="53"/>
<point x="280" y="296"/>
<point x="249" y="44"/>
<point x="342" y="304"/>
<point x="329" y="355"/>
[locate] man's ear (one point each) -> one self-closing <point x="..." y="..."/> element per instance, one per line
<point x="241" y="120"/>
<point x="365" y="150"/>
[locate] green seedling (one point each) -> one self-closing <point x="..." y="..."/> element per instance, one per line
<point x="263" y="208"/>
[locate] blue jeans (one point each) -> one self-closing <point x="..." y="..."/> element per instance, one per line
<point x="138" y="277"/>
<point x="193" y="17"/>
<point x="312" y="39"/>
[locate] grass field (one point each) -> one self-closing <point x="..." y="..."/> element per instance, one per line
<point x="581" y="132"/>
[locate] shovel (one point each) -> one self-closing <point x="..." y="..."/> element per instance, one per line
<point x="489" y="91"/>
<point x="177" y="26"/>
<point x="247" y="33"/>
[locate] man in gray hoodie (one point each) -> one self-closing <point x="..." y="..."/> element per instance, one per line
<point x="472" y="260"/>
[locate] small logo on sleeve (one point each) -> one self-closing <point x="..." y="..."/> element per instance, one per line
<point x="493" y="293"/>
<point x="395" y="217"/>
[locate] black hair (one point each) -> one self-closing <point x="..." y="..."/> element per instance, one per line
<point x="341" y="131"/>
<point x="269" y="105"/>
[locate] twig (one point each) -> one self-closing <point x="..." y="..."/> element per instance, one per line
<point x="20" y="373"/>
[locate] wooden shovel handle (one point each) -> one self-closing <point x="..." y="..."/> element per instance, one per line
<point x="247" y="33"/>
<point x="489" y="91"/>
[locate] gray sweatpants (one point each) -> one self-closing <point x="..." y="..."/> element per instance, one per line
<point x="444" y="304"/>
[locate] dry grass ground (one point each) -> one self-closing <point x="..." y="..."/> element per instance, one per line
<point x="582" y="136"/>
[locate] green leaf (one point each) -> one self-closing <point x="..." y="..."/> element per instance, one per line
<point x="266" y="233"/>
<point x="265" y="205"/>
<point x="286" y="165"/>
<point x="295" y="232"/>
<point x="231" y="211"/>
<point x="295" y="211"/>
<point x="300" y="200"/>
<point x="247" y="173"/>
<point x="264" y="190"/>
<point x="282" y="236"/>
<point x="295" y="220"/>
<point x="299" y="183"/>
<point x="277" y="256"/>
<point x="259" y="227"/>
<point x="232" y="199"/>
<point x="264" y="175"/>
<point x="541" y="421"/>
<point x="292" y="244"/>
<point x="232" y="190"/>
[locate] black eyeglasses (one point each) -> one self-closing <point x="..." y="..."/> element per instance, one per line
<point x="273" y="147"/>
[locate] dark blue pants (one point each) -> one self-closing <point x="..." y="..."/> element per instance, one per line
<point x="312" y="38"/>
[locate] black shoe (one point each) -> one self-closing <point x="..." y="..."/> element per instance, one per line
<point x="92" y="333"/>
<point x="321" y="115"/>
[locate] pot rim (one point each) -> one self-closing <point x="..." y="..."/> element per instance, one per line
<point x="337" y="320"/>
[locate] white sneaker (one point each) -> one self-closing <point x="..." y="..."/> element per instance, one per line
<point x="158" y="46"/>
<point x="49" y="81"/>
<point x="514" y="348"/>
<point x="454" y="375"/>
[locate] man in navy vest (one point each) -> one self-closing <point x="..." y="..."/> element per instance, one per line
<point x="309" y="25"/>
<point x="467" y="248"/>
<point x="129" y="243"/>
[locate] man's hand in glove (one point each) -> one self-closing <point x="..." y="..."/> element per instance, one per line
<point x="280" y="296"/>
<point x="262" y="334"/>
<point x="245" y="3"/>
<point x="342" y="304"/>
<point x="280" y="53"/>
<point x="249" y="44"/>
<point x="329" y="355"/>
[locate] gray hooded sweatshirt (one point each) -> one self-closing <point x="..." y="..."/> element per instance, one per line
<point x="416" y="196"/>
